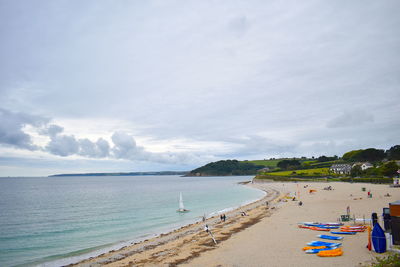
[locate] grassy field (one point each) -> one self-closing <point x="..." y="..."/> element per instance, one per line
<point x="267" y="163"/>
<point x="308" y="172"/>
<point x="272" y="163"/>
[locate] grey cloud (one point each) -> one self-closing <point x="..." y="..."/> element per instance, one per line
<point x="51" y="130"/>
<point x="103" y="148"/>
<point x="63" y="145"/>
<point x="350" y="119"/>
<point x="12" y="134"/>
<point x="67" y="145"/>
<point x="125" y="147"/>
<point x="98" y="149"/>
<point x="11" y="128"/>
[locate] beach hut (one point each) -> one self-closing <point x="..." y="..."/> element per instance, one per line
<point x="394" y="209"/>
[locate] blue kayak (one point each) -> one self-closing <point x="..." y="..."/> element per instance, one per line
<point x="321" y="243"/>
<point x="344" y="233"/>
<point x="316" y="250"/>
<point x="378" y="239"/>
<point x="331" y="237"/>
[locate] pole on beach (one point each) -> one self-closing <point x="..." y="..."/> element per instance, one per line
<point x="209" y="231"/>
<point x="212" y="237"/>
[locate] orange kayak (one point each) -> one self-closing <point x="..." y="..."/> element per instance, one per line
<point x="352" y="230"/>
<point x="331" y="253"/>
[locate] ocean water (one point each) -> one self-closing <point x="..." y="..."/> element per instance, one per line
<point x="51" y="221"/>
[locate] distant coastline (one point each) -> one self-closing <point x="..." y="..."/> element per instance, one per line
<point x="121" y="173"/>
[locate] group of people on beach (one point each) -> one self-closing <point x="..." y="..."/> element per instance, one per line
<point x="223" y="217"/>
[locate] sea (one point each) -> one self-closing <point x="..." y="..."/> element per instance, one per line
<point x="55" y="221"/>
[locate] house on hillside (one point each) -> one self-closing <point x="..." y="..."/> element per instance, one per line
<point x="340" y="168"/>
<point x="363" y="165"/>
<point x="366" y="165"/>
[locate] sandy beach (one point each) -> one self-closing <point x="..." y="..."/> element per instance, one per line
<point x="266" y="236"/>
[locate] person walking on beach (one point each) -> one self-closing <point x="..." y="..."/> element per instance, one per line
<point x="224" y="217"/>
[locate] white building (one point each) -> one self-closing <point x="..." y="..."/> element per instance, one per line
<point x="366" y="165"/>
<point x="341" y="168"/>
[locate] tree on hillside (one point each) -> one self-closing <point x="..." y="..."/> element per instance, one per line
<point x="356" y="171"/>
<point x="325" y="158"/>
<point x="289" y="164"/>
<point x="390" y="169"/>
<point x="227" y="167"/>
<point x="370" y="154"/>
<point x="393" y="153"/>
<point x="351" y="155"/>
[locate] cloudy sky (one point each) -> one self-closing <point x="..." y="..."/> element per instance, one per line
<point x="106" y="86"/>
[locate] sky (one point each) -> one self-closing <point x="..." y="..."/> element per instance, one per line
<point x="117" y="86"/>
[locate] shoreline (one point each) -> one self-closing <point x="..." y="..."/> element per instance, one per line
<point x="154" y="250"/>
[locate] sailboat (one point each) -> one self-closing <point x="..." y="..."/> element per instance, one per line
<point x="181" y="206"/>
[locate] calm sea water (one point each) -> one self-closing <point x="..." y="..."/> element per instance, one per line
<point x="54" y="221"/>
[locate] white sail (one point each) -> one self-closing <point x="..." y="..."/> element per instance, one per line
<point x="181" y="207"/>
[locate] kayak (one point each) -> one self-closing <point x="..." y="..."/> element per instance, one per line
<point x="317" y="223"/>
<point x="352" y="230"/>
<point x="318" y="228"/>
<point x="331" y="237"/>
<point x="322" y="225"/>
<point x="312" y="247"/>
<point x="313" y="251"/>
<point x="331" y="253"/>
<point x="344" y="233"/>
<point x="353" y="227"/>
<point x="322" y="243"/>
<point x="314" y="228"/>
<point x="378" y="239"/>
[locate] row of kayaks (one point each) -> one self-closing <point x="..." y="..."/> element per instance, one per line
<point x="329" y="249"/>
<point x="324" y="249"/>
<point x="329" y="227"/>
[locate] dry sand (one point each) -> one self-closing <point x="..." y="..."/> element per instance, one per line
<point x="267" y="236"/>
